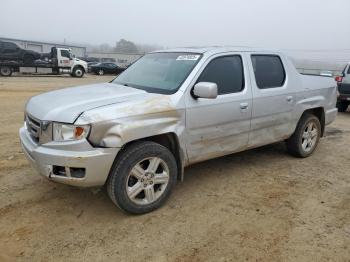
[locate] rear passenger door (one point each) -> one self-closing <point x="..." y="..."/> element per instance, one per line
<point x="273" y="100"/>
<point x="112" y="68"/>
<point x="216" y="127"/>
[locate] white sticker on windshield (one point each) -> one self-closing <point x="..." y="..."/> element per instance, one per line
<point x="188" y="57"/>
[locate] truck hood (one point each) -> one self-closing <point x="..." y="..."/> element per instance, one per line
<point x="66" y="105"/>
<point x="79" y="60"/>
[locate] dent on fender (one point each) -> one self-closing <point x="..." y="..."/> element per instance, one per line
<point x="118" y="124"/>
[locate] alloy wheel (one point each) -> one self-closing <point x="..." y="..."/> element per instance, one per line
<point x="309" y="137"/>
<point x="147" y="181"/>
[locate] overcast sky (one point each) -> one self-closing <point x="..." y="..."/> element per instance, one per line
<point x="283" y="24"/>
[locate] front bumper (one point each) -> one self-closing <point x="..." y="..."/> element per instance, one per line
<point x="96" y="162"/>
<point x="330" y="115"/>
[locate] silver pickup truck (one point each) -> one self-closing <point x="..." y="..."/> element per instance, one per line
<point x="171" y="109"/>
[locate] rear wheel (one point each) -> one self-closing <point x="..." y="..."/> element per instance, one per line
<point x="142" y="177"/>
<point x="28" y="60"/>
<point x="306" y="136"/>
<point x="342" y="106"/>
<point x="6" y="71"/>
<point x="101" y="72"/>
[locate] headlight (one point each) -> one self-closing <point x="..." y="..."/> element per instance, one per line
<point x="64" y="132"/>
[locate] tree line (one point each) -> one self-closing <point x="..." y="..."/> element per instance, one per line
<point x="124" y="46"/>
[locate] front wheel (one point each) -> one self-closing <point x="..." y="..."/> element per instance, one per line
<point x="306" y="136"/>
<point x="142" y="177"/>
<point x="101" y="72"/>
<point x="78" y="72"/>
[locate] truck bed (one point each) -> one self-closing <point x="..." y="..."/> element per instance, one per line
<point x="37" y="63"/>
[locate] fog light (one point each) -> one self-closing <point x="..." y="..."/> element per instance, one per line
<point x="59" y="171"/>
<point x="77" y="172"/>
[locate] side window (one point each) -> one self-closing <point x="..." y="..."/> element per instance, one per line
<point x="226" y="72"/>
<point x="10" y="46"/>
<point x="65" y="53"/>
<point x="269" y="71"/>
<point x="348" y="70"/>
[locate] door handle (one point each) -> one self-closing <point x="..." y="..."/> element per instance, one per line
<point x="243" y="106"/>
<point x="289" y="99"/>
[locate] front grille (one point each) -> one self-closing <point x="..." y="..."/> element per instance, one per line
<point x="33" y="127"/>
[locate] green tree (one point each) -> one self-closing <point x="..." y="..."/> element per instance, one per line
<point x="125" y="46"/>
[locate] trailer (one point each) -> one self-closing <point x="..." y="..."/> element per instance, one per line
<point x="58" y="61"/>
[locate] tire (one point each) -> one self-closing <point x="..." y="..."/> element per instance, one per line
<point x="101" y="72"/>
<point x="55" y="71"/>
<point x="28" y="60"/>
<point x="6" y="71"/>
<point x="306" y="136"/>
<point x="133" y="181"/>
<point x="342" y="106"/>
<point x="78" y="71"/>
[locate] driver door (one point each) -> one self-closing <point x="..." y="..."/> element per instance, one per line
<point x="220" y="126"/>
<point x="64" y="58"/>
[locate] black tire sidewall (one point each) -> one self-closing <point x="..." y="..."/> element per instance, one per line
<point x="28" y="59"/>
<point x="9" y="69"/>
<point x="119" y="174"/>
<point x="75" y="72"/>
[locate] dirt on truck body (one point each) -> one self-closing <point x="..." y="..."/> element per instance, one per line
<point x="171" y="109"/>
<point x="259" y="205"/>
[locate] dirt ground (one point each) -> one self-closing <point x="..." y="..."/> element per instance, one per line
<point x="260" y="205"/>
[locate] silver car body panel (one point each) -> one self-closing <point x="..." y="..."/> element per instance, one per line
<point x="65" y="105"/>
<point x="204" y="128"/>
<point x="77" y="154"/>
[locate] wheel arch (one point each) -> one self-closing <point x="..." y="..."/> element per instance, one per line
<point x="319" y="113"/>
<point x="78" y="66"/>
<point x="171" y="142"/>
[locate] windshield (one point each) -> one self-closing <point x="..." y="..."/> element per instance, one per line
<point x="159" y="72"/>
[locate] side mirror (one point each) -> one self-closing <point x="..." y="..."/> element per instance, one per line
<point x="205" y="90"/>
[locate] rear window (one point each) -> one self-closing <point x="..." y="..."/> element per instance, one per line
<point x="269" y="71"/>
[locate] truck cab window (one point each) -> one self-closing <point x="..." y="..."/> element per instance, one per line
<point x="269" y="71"/>
<point x="65" y="53"/>
<point x="226" y="72"/>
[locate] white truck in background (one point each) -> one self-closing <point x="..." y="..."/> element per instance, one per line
<point x="58" y="61"/>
